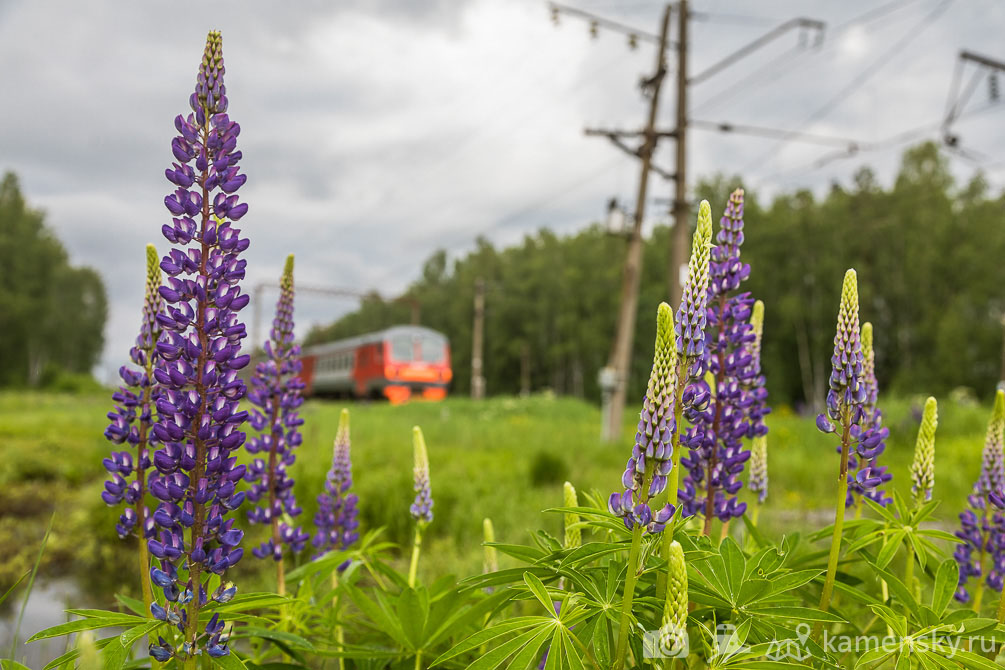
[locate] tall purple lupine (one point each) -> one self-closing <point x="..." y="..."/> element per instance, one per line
<point x="844" y="411"/>
<point x="650" y="464"/>
<point x="276" y="392"/>
<point x="981" y="525"/>
<point x="737" y="402"/>
<point x="869" y="435"/>
<point x="131" y="423"/>
<point x="199" y="418"/>
<point x="336" y="516"/>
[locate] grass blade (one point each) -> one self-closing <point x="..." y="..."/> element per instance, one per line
<point x="31" y="585"/>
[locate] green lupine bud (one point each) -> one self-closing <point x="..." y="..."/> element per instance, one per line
<point x="759" y="467"/>
<point x="573" y="535"/>
<point x="993" y="457"/>
<point x="153" y="304"/>
<point x="757" y="328"/>
<point x="923" y="467"/>
<point x="674" y="629"/>
<point x="491" y="562"/>
<point x="422" y="508"/>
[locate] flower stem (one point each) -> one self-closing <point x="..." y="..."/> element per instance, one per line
<point x="835" y="554"/>
<point x="909" y="570"/>
<point x="339" y="634"/>
<point x="673" y="481"/>
<point x="631" y="576"/>
<point x="979" y="598"/>
<point x="413" y="569"/>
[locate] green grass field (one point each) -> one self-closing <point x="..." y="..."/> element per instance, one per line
<point x="504" y="458"/>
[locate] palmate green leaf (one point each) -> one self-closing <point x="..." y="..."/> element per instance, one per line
<point x="527" y="656"/>
<point x="883" y="511"/>
<point x="859" y="595"/>
<point x="897" y="622"/>
<point x="753" y="590"/>
<point x="248" y="601"/>
<point x="379" y="612"/>
<point x="509" y="576"/>
<point x="568" y="646"/>
<point x="229" y="662"/>
<point x="891" y="544"/>
<point x="113" y="656"/>
<point x="975" y="661"/>
<point x="540" y="592"/>
<point x="495" y="657"/>
<point x="128" y="638"/>
<point x="873" y="656"/>
<point x="519" y="551"/>
<point x="466" y="616"/>
<point x="592" y="551"/>
<point x="483" y="637"/>
<point x="946" y="579"/>
<point x="795" y="613"/>
<point x="288" y="639"/>
<point x="74" y="653"/>
<point x="898" y="589"/>
<point x="733" y="562"/>
<point x="86" y="624"/>
<point x="937" y="534"/>
<point x="413" y="610"/>
<point x="133" y="605"/>
<point x="865" y="541"/>
<point x="903" y="662"/>
<point x="791" y="581"/>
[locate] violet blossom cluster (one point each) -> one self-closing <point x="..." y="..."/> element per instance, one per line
<point x="276" y="393"/>
<point x="869" y="436"/>
<point x="422" y="508"/>
<point x="336" y="516"/>
<point x="199" y="417"/>
<point x="982" y="524"/>
<point x="133" y="416"/>
<point x="736" y="403"/>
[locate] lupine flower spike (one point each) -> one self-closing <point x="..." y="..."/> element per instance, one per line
<point x="923" y="467"/>
<point x="276" y="394"/>
<point x="131" y="423"/>
<point x="758" y="481"/>
<point x="733" y="406"/>
<point x="982" y="528"/>
<point x="650" y="465"/>
<point x="673" y="632"/>
<point x="199" y="417"/>
<point x="336" y="517"/>
<point x="869" y="436"/>
<point x="422" y="508"/>
<point x="844" y="410"/>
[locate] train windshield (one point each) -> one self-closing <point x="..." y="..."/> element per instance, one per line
<point x="416" y="347"/>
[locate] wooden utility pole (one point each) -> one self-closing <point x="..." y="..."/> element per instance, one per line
<point x="478" y="342"/>
<point x="681" y="210"/>
<point x="620" y="358"/>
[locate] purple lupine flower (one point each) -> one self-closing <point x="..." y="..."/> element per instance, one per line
<point x="336" y="517"/>
<point x="869" y="436"/>
<point x="648" y="468"/>
<point x="736" y="396"/>
<point x="847" y="383"/>
<point x="276" y="392"/>
<point x="982" y="524"/>
<point x="758" y="479"/>
<point x="132" y="418"/>
<point x="199" y="418"/>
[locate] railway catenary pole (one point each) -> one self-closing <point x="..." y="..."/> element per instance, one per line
<point x="478" y="342"/>
<point x="620" y="357"/>
<point x="615" y="376"/>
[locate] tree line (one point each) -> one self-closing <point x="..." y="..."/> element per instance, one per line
<point x="52" y="315"/>
<point x="928" y="252"/>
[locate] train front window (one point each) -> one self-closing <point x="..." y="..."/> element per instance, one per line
<point x="434" y="350"/>
<point x="401" y="348"/>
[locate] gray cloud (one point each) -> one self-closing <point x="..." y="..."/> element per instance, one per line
<point x="376" y="132"/>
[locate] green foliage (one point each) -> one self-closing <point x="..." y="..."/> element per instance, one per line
<point x="926" y="251"/>
<point x="53" y="314"/>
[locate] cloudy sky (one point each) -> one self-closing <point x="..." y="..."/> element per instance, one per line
<point x="376" y="131"/>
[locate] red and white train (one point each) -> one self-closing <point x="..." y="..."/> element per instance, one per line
<point x="397" y="363"/>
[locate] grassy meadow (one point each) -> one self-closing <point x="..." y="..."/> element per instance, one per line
<point x="504" y="458"/>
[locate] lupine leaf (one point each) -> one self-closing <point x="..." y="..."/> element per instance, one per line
<point x="540" y="592"/>
<point x="84" y="624"/>
<point x="571" y="652"/>
<point x="733" y="561"/>
<point x="525" y="657"/>
<point x="128" y="638"/>
<point x="113" y="656"/>
<point x="796" y="613"/>
<point x="289" y="639"/>
<point x="229" y="662"/>
<point x="136" y="606"/>
<point x="412" y="612"/>
<point x="12" y="665"/>
<point x="946" y="580"/>
<point x="495" y="657"/>
<point x="485" y="636"/>
<point x="890" y="546"/>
